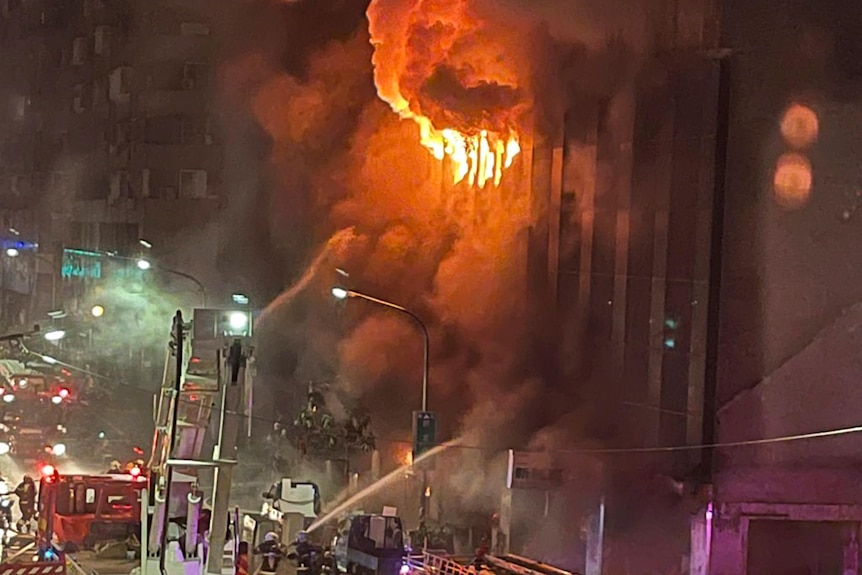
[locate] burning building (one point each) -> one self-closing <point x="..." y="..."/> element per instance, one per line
<point x="542" y="196"/>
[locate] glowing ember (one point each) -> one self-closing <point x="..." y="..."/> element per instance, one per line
<point x="433" y="65"/>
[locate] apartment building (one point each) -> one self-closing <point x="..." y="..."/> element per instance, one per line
<point x="107" y="136"/>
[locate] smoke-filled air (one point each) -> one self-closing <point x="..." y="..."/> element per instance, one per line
<point x="396" y="142"/>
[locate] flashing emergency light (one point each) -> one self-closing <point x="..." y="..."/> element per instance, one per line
<point x="5" y="448"/>
<point x="47" y="470"/>
<point x="135" y="471"/>
<point x="8" y="398"/>
<point x="405" y="569"/>
<point x="64" y="393"/>
<point x="56" y="400"/>
<point x="59" y="450"/>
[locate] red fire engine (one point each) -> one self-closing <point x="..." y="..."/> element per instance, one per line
<point x="82" y="510"/>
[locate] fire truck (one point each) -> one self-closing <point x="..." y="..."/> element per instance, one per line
<point x="33" y="410"/>
<point x="80" y="511"/>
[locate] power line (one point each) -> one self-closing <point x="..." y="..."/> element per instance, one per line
<point x="587" y="451"/>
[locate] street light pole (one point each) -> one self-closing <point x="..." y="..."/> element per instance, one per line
<point x="189" y="277"/>
<point x="341" y="293"/>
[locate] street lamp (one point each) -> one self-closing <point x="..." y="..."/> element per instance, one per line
<point x="342" y="293"/>
<point x="145" y="264"/>
<point x="97" y="311"/>
<point x="55" y="335"/>
<point x="13" y="252"/>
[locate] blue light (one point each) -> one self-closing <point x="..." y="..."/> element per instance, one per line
<point x="670" y="343"/>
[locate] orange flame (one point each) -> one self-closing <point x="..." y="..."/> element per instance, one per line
<point x="429" y="70"/>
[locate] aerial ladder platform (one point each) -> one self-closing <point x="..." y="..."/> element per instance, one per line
<point x="208" y="372"/>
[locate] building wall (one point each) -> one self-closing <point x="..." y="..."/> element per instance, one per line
<point x="634" y="237"/>
<point x="108" y="115"/>
<point x="788" y="272"/>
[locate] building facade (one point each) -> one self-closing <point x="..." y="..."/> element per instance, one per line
<point x="109" y="133"/>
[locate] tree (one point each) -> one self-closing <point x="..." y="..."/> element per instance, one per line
<point x="319" y="436"/>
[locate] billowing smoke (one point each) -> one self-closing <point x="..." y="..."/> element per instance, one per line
<point x="442" y="61"/>
<point x="456" y="256"/>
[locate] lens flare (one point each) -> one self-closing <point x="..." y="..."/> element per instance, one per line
<point x="800" y="126"/>
<point x="792" y="181"/>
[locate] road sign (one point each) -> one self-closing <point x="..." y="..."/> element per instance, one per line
<point x="424" y="432"/>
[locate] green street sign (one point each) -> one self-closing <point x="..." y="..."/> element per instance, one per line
<point x="424" y="432"/>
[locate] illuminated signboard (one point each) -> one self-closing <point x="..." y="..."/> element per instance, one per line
<point x="81" y="264"/>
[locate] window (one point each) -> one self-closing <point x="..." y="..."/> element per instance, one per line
<point x="163" y="130"/>
<point x="193" y="184"/>
<point x="121" y="84"/>
<point x="196" y="130"/>
<point x="21" y="105"/>
<point x="120" y="187"/>
<point x="195" y="29"/>
<point x="100" y="94"/>
<point x="78" y="102"/>
<point x="100" y="40"/>
<point x="9" y="6"/>
<point x="79" y="51"/>
<point x="19" y="186"/>
<point x="195" y="75"/>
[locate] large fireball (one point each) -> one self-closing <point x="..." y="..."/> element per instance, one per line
<point x="437" y="64"/>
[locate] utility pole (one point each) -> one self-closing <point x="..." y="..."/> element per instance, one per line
<point x="233" y="382"/>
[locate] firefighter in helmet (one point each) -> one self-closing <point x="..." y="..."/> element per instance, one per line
<point x="26" y="493"/>
<point x="272" y="552"/>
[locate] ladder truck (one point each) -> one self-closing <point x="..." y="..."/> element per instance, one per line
<point x="207" y="379"/>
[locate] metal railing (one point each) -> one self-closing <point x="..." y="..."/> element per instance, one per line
<point x="433" y="564"/>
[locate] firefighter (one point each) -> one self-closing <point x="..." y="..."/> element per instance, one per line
<point x="272" y="552"/>
<point x="116" y="468"/>
<point x="26" y="493"/>
<point x="481" y="552"/>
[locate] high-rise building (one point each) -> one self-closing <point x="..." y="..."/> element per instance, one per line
<point x="108" y="136"/>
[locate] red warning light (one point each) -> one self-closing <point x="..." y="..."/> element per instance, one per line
<point x="64" y="393"/>
<point x="195" y="360"/>
<point x="48" y="470"/>
<point x="138" y="450"/>
<point x="135" y="471"/>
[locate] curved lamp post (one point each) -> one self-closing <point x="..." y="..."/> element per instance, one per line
<point x="342" y="293"/>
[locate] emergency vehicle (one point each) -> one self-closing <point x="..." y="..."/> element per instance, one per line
<point x="79" y="511"/>
<point x="370" y="545"/>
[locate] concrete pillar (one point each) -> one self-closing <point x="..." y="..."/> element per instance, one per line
<point x="375" y="465"/>
<point x="851" y="552"/>
<point x="500" y="535"/>
<point x="595" y="541"/>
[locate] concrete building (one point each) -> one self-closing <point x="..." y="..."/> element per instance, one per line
<point x="706" y="259"/>
<point x="109" y="135"/>
<point x="789" y="344"/>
